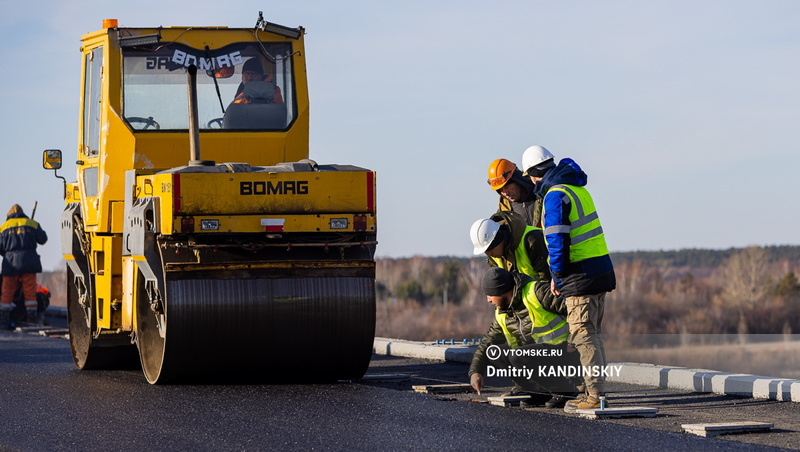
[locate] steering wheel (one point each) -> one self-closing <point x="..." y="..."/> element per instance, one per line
<point x="215" y="123"/>
<point x="148" y="122"/>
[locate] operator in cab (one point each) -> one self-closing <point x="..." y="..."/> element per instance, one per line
<point x="253" y="71"/>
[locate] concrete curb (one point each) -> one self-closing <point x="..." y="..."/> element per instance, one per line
<point x="424" y="350"/>
<point x="697" y="380"/>
<point x="713" y="381"/>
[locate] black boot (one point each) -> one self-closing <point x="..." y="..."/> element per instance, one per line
<point x="5" y="320"/>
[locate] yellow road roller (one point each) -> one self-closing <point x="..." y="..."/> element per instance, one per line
<point x="200" y="239"/>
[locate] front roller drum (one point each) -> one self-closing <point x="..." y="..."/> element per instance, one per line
<point x="226" y="326"/>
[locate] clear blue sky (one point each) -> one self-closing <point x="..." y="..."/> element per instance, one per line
<point x="684" y="114"/>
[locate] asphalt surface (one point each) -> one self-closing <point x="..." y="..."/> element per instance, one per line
<point x="47" y="404"/>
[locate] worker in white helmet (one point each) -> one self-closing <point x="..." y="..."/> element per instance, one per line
<point x="536" y="161"/>
<point x="578" y="257"/>
<point x="511" y="244"/>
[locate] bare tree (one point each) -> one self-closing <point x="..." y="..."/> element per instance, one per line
<point x="745" y="282"/>
<point x="471" y="276"/>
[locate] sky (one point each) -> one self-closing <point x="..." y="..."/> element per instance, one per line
<point x="684" y="114"/>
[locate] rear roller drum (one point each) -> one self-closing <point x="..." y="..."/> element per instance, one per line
<point x="222" y="327"/>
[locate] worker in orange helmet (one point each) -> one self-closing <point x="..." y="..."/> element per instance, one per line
<point x="516" y="191"/>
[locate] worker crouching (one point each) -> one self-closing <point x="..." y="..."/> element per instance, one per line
<point x="526" y="341"/>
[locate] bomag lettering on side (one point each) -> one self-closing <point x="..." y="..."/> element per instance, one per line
<point x="200" y="240"/>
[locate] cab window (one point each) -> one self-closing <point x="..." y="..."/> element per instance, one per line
<point x="155" y="87"/>
<point x="93" y="68"/>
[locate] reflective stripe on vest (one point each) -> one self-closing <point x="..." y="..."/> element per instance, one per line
<point x="585" y="232"/>
<point x="548" y="328"/>
<point x="521" y="258"/>
<point x="17" y="225"/>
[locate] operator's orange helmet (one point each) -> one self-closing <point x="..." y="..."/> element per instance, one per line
<point x="500" y="172"/>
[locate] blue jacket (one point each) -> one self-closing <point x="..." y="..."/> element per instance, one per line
<point x="587" y="277"/>
<point x="19" y="236"/>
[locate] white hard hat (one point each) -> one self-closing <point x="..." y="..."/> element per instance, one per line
<point x="482" y="233"/>
<point x="533" y="156"/>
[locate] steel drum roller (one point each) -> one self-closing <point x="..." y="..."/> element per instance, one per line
<point x="230" y="326"/>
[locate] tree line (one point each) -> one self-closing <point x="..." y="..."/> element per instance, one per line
<point x="752" y="290"/>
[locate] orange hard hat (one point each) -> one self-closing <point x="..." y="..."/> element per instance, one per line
<point x="500" y="172"/>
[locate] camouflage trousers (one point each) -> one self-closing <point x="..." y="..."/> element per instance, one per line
<point x="585" y="317"/>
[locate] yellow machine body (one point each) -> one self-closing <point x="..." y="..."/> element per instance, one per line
<point x="193" y="185"/>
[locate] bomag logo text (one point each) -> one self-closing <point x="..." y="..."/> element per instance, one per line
<point x="286" y="187"/>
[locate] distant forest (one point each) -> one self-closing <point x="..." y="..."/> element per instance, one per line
<point x="700" y="258"/>
<point x="735" y="291"/>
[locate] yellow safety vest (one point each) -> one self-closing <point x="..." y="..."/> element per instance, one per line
<point x="548" y="328"/>
<point x="586" y="235"/>
<point x="523" y="262"/>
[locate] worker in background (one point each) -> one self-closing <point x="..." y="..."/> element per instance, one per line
<point x="252" y="70"/>
<point x="19" y="236"/>
<point x="523" y="319"/>
<point x="511" y="244"/>
<point x="578" y="256"/>
<point x="515" y="190"/>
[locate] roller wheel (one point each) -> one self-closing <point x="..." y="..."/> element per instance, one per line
<point x="88" y="352"/>
<point x="149" y="337"/>
<point x="221" y="327"/>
